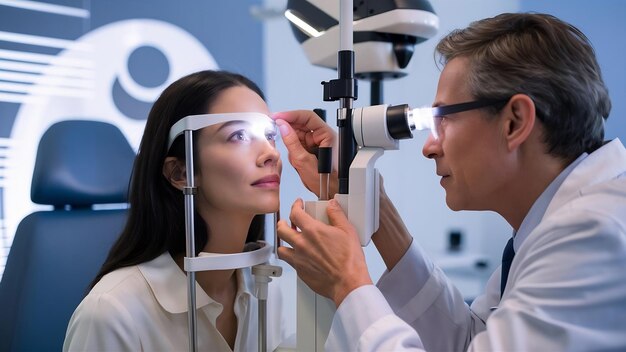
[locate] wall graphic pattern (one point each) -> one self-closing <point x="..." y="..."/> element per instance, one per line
<point x="54" y="66"/>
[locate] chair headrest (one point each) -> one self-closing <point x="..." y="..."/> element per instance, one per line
<point x="81" y="163"/>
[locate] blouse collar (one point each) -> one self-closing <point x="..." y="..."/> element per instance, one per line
<point x="169" y="284"/>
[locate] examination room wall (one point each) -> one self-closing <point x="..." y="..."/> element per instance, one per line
<point x="103" y="60"/>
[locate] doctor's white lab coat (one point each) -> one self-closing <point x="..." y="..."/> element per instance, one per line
<point x="566" y="289"/>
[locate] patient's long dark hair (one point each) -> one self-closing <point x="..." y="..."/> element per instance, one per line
<point x="156" y="221"/>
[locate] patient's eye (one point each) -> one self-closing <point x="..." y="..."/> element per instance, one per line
<point x="271" y="135"/>
<point x="239" y="136"/>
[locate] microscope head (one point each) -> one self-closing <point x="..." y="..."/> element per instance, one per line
<point x="385" y="33"/>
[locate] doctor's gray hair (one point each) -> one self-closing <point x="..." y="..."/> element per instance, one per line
<point x="545" y="58"/>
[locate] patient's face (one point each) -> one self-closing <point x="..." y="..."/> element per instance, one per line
<point x="240" y="166"/>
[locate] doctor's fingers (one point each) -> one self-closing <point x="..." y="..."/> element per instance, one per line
<point x="300" y="258"/>
<point x="312" y="134"/>
<point x="302" y="243"/>
<point x="287" y="254"/>
<point x="304" y="252"/>
<point x="303" y="140"/>
<point x="308" y="269"/>
<point x="337" y="217"/>
<point x="306" y="120"/>
<point x="287" y="233"/>
<point x="313" y="235"/>
<point x="310" y="227"/>
<point x="300" y="157"/>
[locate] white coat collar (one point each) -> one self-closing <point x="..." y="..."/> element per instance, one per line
<point x="169" y="284"/>
<point x="608" y="162"/>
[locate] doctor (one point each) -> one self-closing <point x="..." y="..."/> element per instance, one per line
<point x="534" y="153"/>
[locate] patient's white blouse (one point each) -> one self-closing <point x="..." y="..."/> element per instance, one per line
<point x="144" y="308"/>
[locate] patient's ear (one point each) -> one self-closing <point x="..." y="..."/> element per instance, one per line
<point x="174" y="172"/>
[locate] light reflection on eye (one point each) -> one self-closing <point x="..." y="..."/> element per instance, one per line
<point x="246" y="135"/>
<point x="271" y="135"/>
<point x="246" y="132"/>
<point x="240" y="135"/>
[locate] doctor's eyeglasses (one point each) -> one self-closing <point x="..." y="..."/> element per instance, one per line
<point x="431" y="118"/>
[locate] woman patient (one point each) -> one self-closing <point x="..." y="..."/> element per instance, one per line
<point x="138" y="300"/>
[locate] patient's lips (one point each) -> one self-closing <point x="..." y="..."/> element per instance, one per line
<point x="270" y="181"/>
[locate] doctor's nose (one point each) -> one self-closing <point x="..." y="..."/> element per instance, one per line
<point x="432" y="148"/>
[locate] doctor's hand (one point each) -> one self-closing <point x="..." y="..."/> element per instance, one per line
<point x="328" y="258"/>
<point x="303" y="132"/>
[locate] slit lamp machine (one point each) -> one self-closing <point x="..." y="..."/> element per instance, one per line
<point x="375" y="40"/>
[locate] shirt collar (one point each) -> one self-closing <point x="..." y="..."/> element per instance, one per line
<point x="606" y="163"/>
<point x="538" y="209"/>
<point x="169" y="284"/>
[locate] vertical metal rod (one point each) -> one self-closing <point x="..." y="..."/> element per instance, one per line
<point x="376" y="92"/>
<point x="324" y="187"/>
<point x="347" y="143"/>
<point x="346" y="15"/>
<point x="277" y="241"/>
<point x="345" y="70"/>
<point x="262" y="324"/>
<point x="190" y="238"/>
<point x="324" y="168"/>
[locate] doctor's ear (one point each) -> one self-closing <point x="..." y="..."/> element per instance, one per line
<point x="519" y="121"/>
<point x="174" y="172"/>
